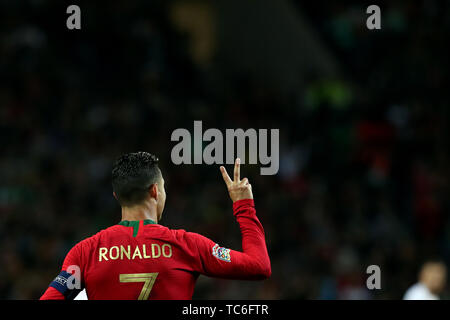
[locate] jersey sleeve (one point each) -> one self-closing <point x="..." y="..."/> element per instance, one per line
<point x="252" y="263"/>
<point x="69" y="282"/>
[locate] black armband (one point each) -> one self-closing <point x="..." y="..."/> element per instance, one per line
<point x="60" y="283"/>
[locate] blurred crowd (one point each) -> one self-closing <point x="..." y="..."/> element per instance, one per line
<point x="364" y="164"/>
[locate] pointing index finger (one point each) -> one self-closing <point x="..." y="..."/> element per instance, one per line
<point x="225" y="176"/>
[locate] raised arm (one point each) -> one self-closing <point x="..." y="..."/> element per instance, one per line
<point x="253" y="262"/>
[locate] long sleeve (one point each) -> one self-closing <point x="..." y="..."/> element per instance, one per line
<point x="52" y="294"/>
<point x="252" y="263"/>
<point x="59" y="288"/>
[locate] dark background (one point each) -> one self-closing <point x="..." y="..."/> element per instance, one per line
<point x="363" y="119"/>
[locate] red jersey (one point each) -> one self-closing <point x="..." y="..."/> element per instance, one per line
<point x="145" y="260"/>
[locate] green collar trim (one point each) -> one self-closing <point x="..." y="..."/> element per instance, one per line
<point x="135" y="224"/>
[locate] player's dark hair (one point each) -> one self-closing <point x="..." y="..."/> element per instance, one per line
<point x="132" y="176"/>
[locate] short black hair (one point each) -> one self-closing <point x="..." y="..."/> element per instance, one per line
<point x="132" y="176"/>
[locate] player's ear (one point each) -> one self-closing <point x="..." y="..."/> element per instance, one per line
<point x="154" y="191"/>
<point x="115" y="196"/>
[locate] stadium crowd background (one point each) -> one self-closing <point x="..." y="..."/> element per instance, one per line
<point x="363" y="152"/>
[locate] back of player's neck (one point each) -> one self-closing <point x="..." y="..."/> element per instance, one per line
<point x="138" y="213"/>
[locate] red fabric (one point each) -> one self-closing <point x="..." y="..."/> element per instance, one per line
<point x="191" y="255"/>
<point x="52" y="294"/>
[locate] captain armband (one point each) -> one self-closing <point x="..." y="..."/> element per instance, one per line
<point x="68" y="284"/>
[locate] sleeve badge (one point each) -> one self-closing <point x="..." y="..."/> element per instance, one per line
<point x="221" y="253"/>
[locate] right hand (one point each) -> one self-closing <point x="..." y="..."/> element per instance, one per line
<point x="237" y="188"/>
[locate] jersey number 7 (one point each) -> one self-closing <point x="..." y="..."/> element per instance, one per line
<point x="147" y="278"/>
